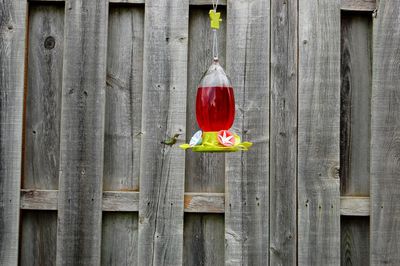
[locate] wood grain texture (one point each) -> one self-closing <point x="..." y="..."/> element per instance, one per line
<point x="318" y="133"/>
<point x="355" y="206"/>
<point x="355" y="100"/>
<point x="12" y="66"/>
<point x="42" y="129"/>
<point x="120" y="201"/>
<point x="82" y="133"/>
<point x="207" y="2"/>
<point x="358" y="5"/>
<point x="32" y="199"/>
<point x="205" y="202"/>
<point x="385" y="135"/>
<point x="354" y="241"/>
<point x="43" y="100"/>
<point x="122" y="133"/>
<point x="202" y="239"/>
<point x="283" y="133"/>
<point x="38" y="235"/>
<point x="123" y="98"/>
<point x="162" y="167"/>
<point x="247" y="173"/>
<point x="119" y="239"/>
<point x="204" y="171"/>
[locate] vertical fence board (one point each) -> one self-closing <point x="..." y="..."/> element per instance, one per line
<point x="354" y="239"/>
<point x="43" y="100"/>
<point x="355" y="115"/>
<point x="38" y="238"/>
<point x="385" y="133"/>
<point x="247" y="179"/>
<point x="42" y="128"/>
<point x="162" y="167"/>
<point x="318" y="133"/>
<point x="119" y="239"/>
<point x="12" y="64"/>
<point x="123" y="129"/>
<point x="203" y="233"/>
<point x="82" y="133"/>
<point x="355" y="98"/>
<point x="283" y="133"/>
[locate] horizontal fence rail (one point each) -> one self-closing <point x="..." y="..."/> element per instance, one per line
<point x="193" y="202"/>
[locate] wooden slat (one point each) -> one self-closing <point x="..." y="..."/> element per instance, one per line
<point x="42" y="127"/>
<point x="120" y="201"/>
<point x="119" y="239"/>
<point x="162" y="167"/>
<point x="117" y="201"/>
<point x="354" y="238"/>
<point x="191" y="2"/>
<point x="127" y="1"/>
<point x="206" y="2"/>
<point x="205" y="202"/>
<point x="355" y="100"/>
<point x="354" y="206"/>
<point x="283" y="133"/>
<point x="32" y="199"/>
<point x="122" y="132"/>
<point x="39" y="238"/>
<point x="203" y="233"/>
<point x="82" y="132"/>
<point x="12" y="66"/>
<point x="358" y="5"/>
<point x="247" y="179"/>
<point x="318" y="133"/>
<point x="385" y="136"/>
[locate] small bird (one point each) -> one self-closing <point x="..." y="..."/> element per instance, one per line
<point x="171" y="141"/>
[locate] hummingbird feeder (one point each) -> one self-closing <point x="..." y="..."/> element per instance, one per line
<point x="215" y="106"/>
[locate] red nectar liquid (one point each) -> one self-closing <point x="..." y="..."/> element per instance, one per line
<point x="215" y="108"/>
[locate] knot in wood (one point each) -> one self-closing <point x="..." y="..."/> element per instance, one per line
<point x="49" y="43"/>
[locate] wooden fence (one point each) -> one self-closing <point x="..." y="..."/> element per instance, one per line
<point x="88" y="89"/>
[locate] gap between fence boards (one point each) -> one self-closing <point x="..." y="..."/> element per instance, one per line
<point x="32" y="199"/>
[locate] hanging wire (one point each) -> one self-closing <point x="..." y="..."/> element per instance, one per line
<point x="215" y="36"/>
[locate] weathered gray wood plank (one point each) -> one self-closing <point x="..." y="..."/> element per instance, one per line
<point x="385" y="136"/>
<point x="119" y="239"/>
<point x="355" y="206"/>
<point x="205" y="202"/>
<point x="32" y="199"/>
<point x="123" y="98"/>
<point x="122" y="132"/>
<point x="42" y="128"/>
<point x="204" y="171"/>
<point x="355" y="98"/>
<point x="247" y="173"/>
<point x="43" y="99"/>
<point x="283" y="133"/>
<point x="206" y="2"/>
<point x="12" y="65"/>
<point x="202" y="239"/>
<point x="38" y="235"/>
<point x="358" y="5"/>
<point x="318" y="133"/>
<point x="162" y="167"/>
<point x="354" y="241"/>
<point x="82" y="133"/>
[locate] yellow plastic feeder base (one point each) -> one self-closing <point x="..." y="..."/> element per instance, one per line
<point x="210" y="144"/>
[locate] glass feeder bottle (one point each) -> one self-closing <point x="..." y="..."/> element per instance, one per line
<point x="215" y="102"/>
